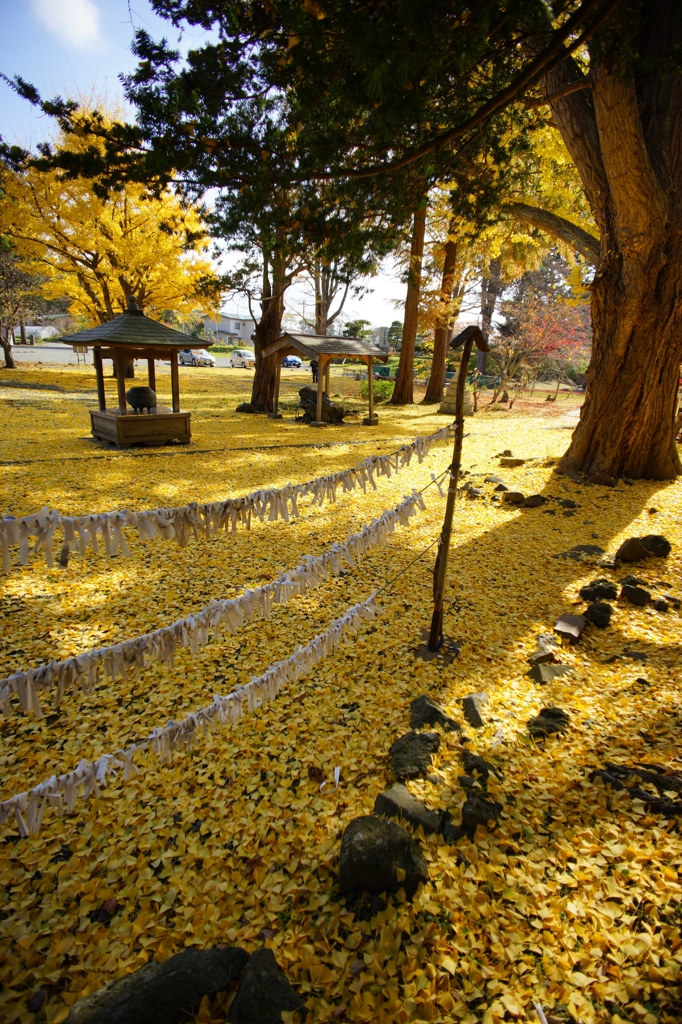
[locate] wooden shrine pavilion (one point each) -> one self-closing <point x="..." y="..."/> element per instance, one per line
<point x="135" y="336"/>
<point x="324" y="348"/>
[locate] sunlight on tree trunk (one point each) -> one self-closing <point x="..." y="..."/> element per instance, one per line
<point x="443" y="332"/>
<point x="403" y="393"/>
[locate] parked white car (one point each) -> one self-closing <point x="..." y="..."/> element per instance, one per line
<point x="200" y="357"/>
<point x="242" y="357"/>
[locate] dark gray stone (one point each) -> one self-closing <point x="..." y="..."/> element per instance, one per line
<point x="332" y="412"/>
<point x="372" y="851"/>
<point x="567" y="503"/>
<point x="671" y="599"/>
<point x="475" y="492"/>
<point x="548" y="673"/>
<point x="412" y="753"/>
<point x="550" y="720"/>
<point x="599" y="590"/>
<point x="492" y="479"/>
<point x="570" y="627"/>
<point x="501" y="488"/>
<point x="398" y="802"/>
<point x="543" y="657"/>
<point x="140" y="398"/>
<point x="263" y="992"/>
<point x="632" y="581"/>
<point x="425" y="711"/>
<point x="245" y="407"/>
<point x="514" y="498"/>
<point x="635" y="595"/>
<point x="474" y="764"/>
<point x="632" y="550"/>
<point x="164" y="993"/>
<point x="657" y="545"/>
<point x="471" y="706"/>
<point x="533" y="500"/>
<point x="660" y="604"/>
<point x="478" y="811"/>
<point x="599" y="614"/>
<point x="450" y="832"/>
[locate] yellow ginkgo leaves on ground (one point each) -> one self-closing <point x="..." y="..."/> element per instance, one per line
<point x="573" y="899"/>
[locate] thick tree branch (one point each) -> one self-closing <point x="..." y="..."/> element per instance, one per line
<point x="555" y="53"/>
<point x="584" y="83"/>
<point x="586" y="244"/>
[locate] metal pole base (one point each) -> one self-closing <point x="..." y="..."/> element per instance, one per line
<point x="314" y="423"/>
<point x="370" y="421"/>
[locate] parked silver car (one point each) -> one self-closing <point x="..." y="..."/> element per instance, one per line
<point x="242" y="357"/>
<point x="200" y="357"/>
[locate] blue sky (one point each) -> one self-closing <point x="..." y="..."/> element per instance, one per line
<point x="72" y="47"/>
<point x="78" y="48"/>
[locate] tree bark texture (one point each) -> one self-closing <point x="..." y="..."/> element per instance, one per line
<point x="443" y="332"/>
<point x="6" y="344"/>
<point x="624" y="136"/>
<point x="268" y="329"/>
<point x="403" y="392"/>
<point x="491" y="286"/>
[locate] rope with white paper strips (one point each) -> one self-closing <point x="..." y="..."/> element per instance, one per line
<point x="64" y="791"/>
<point x="83" y="670"/>
<point x="35" y="533"/>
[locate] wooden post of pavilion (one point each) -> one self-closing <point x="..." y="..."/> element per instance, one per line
<point x="151" y="374"/>
<point x="175" y="381"/>
<point x="320" y="378"/>
<point x="326" y="376"/>
<point x="371" y="420"/>
<point x="99" y="373"/>
<point x="121" y="381"/>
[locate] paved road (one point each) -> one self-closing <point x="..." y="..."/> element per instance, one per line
<point x="56" y="352"/>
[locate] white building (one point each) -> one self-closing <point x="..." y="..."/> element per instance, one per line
<point x="35" y="333"/>
<point x="230" y="329"/>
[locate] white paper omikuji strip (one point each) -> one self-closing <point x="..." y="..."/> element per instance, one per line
<point x="129" y="656"/>
<point x="64" y="791"/>
<point x="36" y="532"/>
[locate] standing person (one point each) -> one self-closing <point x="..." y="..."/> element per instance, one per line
<point x="314" y="368"/>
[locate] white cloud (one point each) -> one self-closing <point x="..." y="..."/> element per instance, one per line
<point x="75" y="22"/>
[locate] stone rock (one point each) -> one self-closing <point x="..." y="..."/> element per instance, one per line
<point x="425" y="711"/>
<point x="164" y="993"/>
<point x="550" y="720"/>
<point x="632" y="581"/>
<point x="332" y="412"/>
<point x="510" y="463"/>
<point x="471" y="706"/>
<point x="543" y="657"/>
<point x="656" y="545"/>
<point x="599" y="590"/>
<point x="635" y="595"/>
<point x="660" y="604"/>
<point x="533" y="501"/>
<point x="671" y="599"/>
<point x="475" y="492"/>
<point x="570" y="627"/>
<point x="548" y="673"/>
<point x="245" y="407"/>
<point x="632" y="550"/>
<point x="492" y="479"/>
<point x="567" y="503"/>
<point x="514" y="498"/>
<point x="372" y="851"/>
<point x="140" y="398"/>
<point x="263" y="993"/>
<point x="494" y="497"/>
<point x="603" y="479"/>
<point x="412" y="753"/>
<point x="501" y="488"/>
<point x="653" y="511"/>
<point x="398" y="802"/>
<point x="450" y="832"/>
<point x="599" y="614"/>
<point x="475" y="763"/>
<point x="478" y="811"/>
<point x="505" y="454"/>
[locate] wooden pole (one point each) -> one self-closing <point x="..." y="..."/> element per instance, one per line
<point x="120" y="380"/>
<point x="320" y="371"/>
<point x="99" y="373"/>
<point x="175" y="380"/>
<point x="151" y="374"/>
<point x="326" y="376"/>
<point x="275" y="400"/>
<point x="471" y="335"/>
<point x="370" y="381"/>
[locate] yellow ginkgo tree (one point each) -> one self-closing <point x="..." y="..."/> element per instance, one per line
<point x="96" y="251"/>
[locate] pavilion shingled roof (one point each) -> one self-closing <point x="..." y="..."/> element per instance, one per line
<point x="134" y="330"/>
<point x="326" y="345"/>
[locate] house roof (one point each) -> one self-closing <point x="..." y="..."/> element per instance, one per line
<point x="132" y="329"/>
<point x="311" y="345"/>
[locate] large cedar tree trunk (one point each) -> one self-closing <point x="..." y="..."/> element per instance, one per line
<point x="403" y="391"/>
<point x="268" y="329"/>
<point x="491" y="286"/>
<point x="443" y="332"/>
<point x="624" y="136"/>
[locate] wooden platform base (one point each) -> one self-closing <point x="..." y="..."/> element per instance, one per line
<point x="126" y="429"/>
